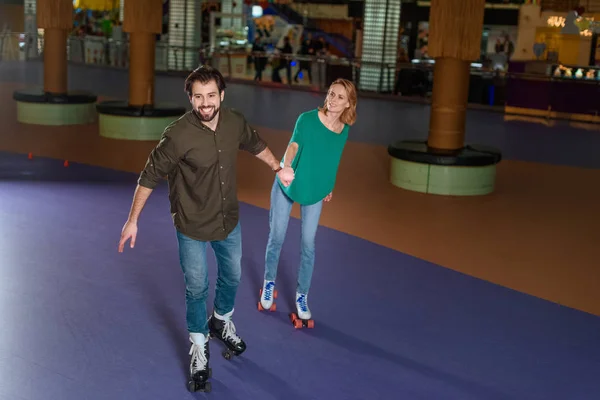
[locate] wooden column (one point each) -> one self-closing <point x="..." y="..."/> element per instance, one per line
<point x="56" y="18"/>
<point x="143" y="21"/>
<point x="455" y="31"/>
<point x="141" y="68"/>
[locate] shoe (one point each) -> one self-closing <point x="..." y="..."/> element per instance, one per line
<point x="267" y="295"/>
<point x="302" y="309"/>
<point x="199" y="368"/>
<point x="222" y="328"/>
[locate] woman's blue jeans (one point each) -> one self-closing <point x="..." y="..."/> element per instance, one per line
<point x="279" y="216"/>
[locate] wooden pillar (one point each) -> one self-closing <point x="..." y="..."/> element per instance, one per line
<point x="143" y="21"/>
<point x="141" y="68"/>
<point x="56" y="18"/>
<point x="455" y="31"/>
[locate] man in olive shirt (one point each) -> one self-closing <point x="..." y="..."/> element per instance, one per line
<point x="198" y="154"/>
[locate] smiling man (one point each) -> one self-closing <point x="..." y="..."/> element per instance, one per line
<point x="198" y="155"/>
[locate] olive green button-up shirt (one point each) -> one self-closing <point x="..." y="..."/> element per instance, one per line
<point x="200" y="165"/>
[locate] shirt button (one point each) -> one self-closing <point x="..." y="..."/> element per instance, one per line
<point x="219" y="151"/>
<point x="222" y="183"/>
<point x="221" y="167"/>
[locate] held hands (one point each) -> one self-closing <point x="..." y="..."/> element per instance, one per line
<point x="286" y="176"/>
<point x="328" y="197"/>
<point x="129" y="232"/>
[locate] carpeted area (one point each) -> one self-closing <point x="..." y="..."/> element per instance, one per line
<point x="82" y="321"/>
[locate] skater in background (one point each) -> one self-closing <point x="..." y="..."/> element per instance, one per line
<point x="285" y="61"/>
<point x="312" y="156"/>
<point x="197" y="153"/>
<point x="260" y="60"/>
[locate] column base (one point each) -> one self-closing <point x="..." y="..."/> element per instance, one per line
<point x="470" y="171"/>
<point x="119" y="120"/>
<point x="36" y="107"/>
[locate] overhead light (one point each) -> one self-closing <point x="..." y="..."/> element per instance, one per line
<point x="257" y="11"/>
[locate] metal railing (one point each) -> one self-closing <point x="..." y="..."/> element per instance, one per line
<point x="549" y="94"/>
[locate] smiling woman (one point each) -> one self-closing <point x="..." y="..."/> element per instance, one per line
<point x="313" y="156"/>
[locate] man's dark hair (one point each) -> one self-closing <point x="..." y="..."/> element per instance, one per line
<point x="204" y="74"/>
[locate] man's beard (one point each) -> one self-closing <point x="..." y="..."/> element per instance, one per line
<point x="210" y="117"/>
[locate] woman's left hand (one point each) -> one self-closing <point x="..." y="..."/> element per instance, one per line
<point x="328" y="197"/>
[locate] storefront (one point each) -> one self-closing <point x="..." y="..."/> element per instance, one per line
<point x="96" y="25"/>
<point x="500" y="24"/>
<point x="556" y="68"/>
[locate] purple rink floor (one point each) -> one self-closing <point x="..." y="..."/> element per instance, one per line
<point x="80" y="321"/>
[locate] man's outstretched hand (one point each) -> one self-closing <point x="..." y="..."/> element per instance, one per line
<point x="129" y="232"/>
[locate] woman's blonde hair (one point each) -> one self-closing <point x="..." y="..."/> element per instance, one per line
<point x="348" y="116"/>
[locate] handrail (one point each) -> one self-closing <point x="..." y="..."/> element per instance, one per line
<point x="406" y="80"/>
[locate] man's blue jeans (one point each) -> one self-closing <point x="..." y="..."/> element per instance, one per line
<point x="192" y="256"/>
<point x="279" y="216"/>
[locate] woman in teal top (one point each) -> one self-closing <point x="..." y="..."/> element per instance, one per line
<point x="313" y="156"/>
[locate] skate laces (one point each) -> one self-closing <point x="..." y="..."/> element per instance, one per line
<point x="199" y="359"/>
<point x="229" y="332"/>
<point x="268" y="291"/>
<point x="302" y="303"/>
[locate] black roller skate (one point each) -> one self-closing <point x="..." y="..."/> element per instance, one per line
<point x="199" y="366"/>
<point x="222" y="328"/>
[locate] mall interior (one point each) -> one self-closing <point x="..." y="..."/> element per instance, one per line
<point x="456" y="258"/>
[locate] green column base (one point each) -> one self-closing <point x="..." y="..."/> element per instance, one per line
<point x="468" y="171"/>
<point x="119" y="120"/>
<point x="36" y="107"/>
<point x="133" y="128"/>
<point x="55" y="114"/>
<point x="442" y="179"/>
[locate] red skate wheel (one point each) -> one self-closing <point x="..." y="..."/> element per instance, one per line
<point x="275" y="294"/>
<point x="260" y="307"/>
<point x="293" y="317"/>
<point x="273" y="307"/>
<point x="298" y="323"/>
<point x="310" y="324"/>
